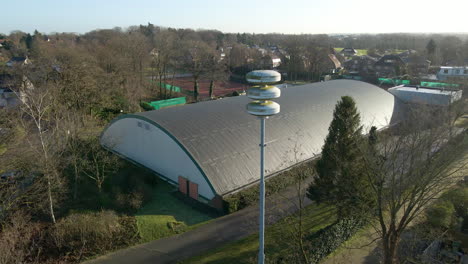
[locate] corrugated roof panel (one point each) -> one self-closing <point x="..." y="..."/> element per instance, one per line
<point x="223" y="138"/>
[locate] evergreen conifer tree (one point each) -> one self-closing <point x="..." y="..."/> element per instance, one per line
<point x="340" y="176"/>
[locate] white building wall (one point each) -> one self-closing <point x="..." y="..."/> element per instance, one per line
<point x="148" y="145"/>
<point x="426" y="98"/>
<point x="452" y="72"/>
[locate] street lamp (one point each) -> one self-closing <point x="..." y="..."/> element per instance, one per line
<point x="262" y="107"/>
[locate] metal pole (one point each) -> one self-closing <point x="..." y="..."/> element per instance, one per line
<point x="261" y="252"/>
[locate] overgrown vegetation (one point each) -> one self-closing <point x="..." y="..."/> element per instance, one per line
<point x="250" y="196"/>
<point x="278" y="238"/>
<point x="165" y="215"/>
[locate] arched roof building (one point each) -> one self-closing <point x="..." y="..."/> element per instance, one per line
<point x="210" y="149"/>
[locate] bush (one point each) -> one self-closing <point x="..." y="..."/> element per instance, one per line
<point x="176" y="226"/>
<point x="86" y="234"/>
<point x="18" y="240"/>
<point x="441" y="214"/>
<point x="249" y="196"/>
<point x="459" y="198"/>
<point x="146" y="106"/>
<point x="327" y="240"/>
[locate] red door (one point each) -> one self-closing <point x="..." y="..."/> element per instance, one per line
<point x="183" y="185"/>
<point x="193" y="190"/>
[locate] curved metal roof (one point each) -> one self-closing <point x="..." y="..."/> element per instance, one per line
<point x="224" y="139"/>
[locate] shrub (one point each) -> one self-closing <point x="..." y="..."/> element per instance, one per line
<point x="146" y="106"/>
<point x="459" y="198"/>
<point x="441" y="214"/>
<point x="327" y="240"/>
<point x="17" y="240"/>
<point x="85" y="234"/>
<point x="176" y="226"/>
<point x="249" y="196"/>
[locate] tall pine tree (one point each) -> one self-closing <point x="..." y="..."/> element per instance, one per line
<point x="340" y="179"/>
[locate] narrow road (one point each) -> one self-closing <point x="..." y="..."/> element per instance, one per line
<point x="212" y="235"/>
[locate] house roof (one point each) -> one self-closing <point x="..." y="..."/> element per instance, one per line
<point x="392" y="57"/>
<point x="348" y="50"/>
<point x="223" y="139"/>
<point x="416" y="59"/>
<point x="335" y="60"/>
<point x="17" y="59"/>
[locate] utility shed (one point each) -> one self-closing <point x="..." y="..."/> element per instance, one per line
<point x="426" y="95"/>
<point x="210" y="149"/>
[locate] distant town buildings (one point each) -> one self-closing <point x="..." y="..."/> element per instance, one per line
<point x="18" y="61"/>
<point x="348" y="52"/>
<point x="452" y="72"/>
<point x="389" y="66"/>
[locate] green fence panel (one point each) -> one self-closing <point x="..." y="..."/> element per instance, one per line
<point x="393" y="81"/>
<point x="171" y="87"/>
<point x="167" y="86"/>
<point x="167" y="103"/>
<point x="439" y="85"/>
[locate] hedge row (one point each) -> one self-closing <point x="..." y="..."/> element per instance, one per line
<point x="322" y="243"/>
<point x="327" y="240"/>
<point x="250" y="196"/>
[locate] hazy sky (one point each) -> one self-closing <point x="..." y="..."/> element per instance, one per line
<point x="258" y="16"/>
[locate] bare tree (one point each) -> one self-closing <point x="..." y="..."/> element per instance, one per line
<point x="407" y="171"/>
<point x="98" y="163"/>
<point x="41" y="119"/>
<point x="196" y="59"/>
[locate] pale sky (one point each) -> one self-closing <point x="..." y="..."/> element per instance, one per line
<point x="252" y="16"/>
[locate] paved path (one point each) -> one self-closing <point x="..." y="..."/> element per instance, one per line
<point x="212" y="235"/>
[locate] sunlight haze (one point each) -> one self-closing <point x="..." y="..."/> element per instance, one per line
<point x="291" y="17"/>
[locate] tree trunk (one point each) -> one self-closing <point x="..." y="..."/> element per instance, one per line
<point x="75" y="187"/>
<point x="172" y="84"/>
<point x="51" y="201"/>
<point x="165" y="82"/>
<point x="390" y="246"/>
<point x="211" y="89"/>
<point x="160" y="85"/>
<point x="195" y="89"/>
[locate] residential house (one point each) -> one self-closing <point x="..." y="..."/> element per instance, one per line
<point x="348" y="52"/>
<point x="452" y="73"/>
<point x="389" y="66"/>
<point x="360" y="65"/>
<point x="7" y="97"/>
<point x="333" y="65"/>
<point x="417" y="64"/>
<point x="18" y="61"/>
<point x="270" y="61"/>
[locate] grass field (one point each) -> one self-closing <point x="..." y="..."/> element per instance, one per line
<point x="462" y="121"/>
<point x="360" y="52"/>
<point x="278" y="239"/>
<point x="155" y="218"/>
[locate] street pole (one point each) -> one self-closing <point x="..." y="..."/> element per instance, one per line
<point x="261" y="252"/>
<point x="262" y="107"/>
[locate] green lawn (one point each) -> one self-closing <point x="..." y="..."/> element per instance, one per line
<point x="360" y="52"/>
<point x="153" y="220"/>
<point x="3" y="149"/>
<point x="460" y="122"/>
<point x="278" y="239"/>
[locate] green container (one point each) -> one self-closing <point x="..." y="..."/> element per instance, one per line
<point x="439" y="85"/>
<point x="168" y="87"/>
<point x="393" y="81"/>
<point x="171" y="87"/>
<point x="168" y="103"/>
